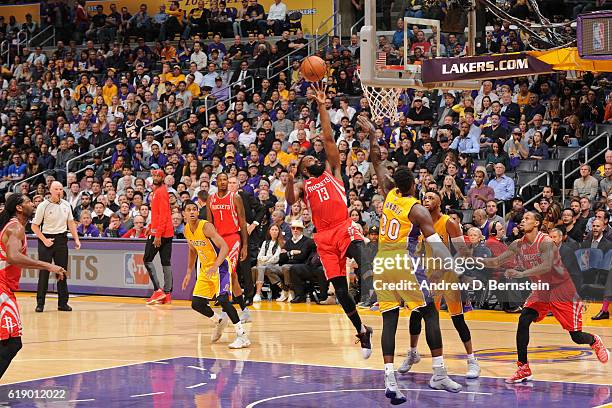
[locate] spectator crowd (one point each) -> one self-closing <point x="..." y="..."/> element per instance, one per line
<point x="105" y="105"/>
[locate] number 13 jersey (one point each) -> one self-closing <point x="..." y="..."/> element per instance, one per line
<point x="326" y="198"/>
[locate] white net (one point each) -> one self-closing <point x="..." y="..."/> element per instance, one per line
<point x="383" y="101"/>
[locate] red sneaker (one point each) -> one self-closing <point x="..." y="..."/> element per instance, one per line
<point x="157" y="297"/>
<point x="600" y="350"/>
<point x="523" y="373"/>
<point x="167" y="300"/>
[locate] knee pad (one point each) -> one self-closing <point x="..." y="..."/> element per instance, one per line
<point x="527" y="317"/>
<point x="414" y="325"/>
<point x="201" y="305"/>
<point x="462" y="328"/>
<point x="224" y="298"/>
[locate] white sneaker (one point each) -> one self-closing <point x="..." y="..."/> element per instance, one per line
<point x="441" y="381"/>
<point x="219" y="328"/>
<point x="245" y="316"/>
<point x="331" y="300"/>
<point x="413" y="358"/>
<point x="392" y="390"/>
<point x="473" y="370"/>
<point x="256" y="299"/>
<point x="240" y="342"/>
<point x="283" y="297"/>
<point x="291" y="296"/>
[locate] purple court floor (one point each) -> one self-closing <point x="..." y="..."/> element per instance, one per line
<point x="210" y="383"/>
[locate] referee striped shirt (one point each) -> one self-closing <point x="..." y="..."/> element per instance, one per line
<point x="53" y="217"/>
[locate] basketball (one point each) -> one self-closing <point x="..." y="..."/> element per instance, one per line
<point x="313" y="68"/>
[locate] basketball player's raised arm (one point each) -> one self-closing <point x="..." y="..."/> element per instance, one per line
<point x="379" y="169"/>
<point x="244" y="233"/>
<point x="331" y="149"/>
<point x="13" y="242"/>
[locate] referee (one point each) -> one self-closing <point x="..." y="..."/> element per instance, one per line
<point x="55" y="216"/>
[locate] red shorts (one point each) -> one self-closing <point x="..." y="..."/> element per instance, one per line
<point x="10" y="324"/>
<point x="332" y="245"/>
<point x="233" y="242"/>
<point x="568" y="313"/>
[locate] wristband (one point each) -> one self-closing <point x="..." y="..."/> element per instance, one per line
<point x="434" y="238"/>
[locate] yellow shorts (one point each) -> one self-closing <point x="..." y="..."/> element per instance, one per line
<point x="395" y="287"/>
<point x="211" y="287"/>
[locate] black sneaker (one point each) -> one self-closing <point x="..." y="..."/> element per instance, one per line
<point x="40" y="308"/>
<point x="64" y="308"/>
<point x="366" y="342"/>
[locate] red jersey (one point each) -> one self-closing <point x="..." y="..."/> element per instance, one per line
<point x="530" y="256"/>
<point x="225" y="214"/>
<point x="161" y="221"/>
<point x="9" y="274"/>
<point x="326" y="198"/>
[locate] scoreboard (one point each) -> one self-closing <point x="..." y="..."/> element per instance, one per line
<point x="594" y="35"/>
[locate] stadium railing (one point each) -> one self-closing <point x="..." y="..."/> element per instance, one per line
<point x="90" y="152"/>
<point x="34" y="176"/>
<point x="49" y="31"/>
<point x="588" y="158"/>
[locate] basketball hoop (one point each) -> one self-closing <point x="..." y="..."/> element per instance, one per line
<point x="383" y="101"/>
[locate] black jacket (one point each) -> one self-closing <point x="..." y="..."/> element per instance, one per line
<point x="305" y="245"/>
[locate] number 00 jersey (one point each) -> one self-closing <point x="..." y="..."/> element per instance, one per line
<point x="396" y="230"/>
<point x="326" y="198"/>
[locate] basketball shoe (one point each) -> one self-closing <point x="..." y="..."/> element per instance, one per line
<point x="241" y="341"/>
<point x="413" y="358"/>
<point x="366" y="342"/>
<point x="245" y="316"/>
<point x="219" y="328"/>
<point x="441" y="381"/>
<point x="392" y="390"/>
<point x="600" y="350"/>
<point x="167" y="300"/>
<point x="157" y="297"/>
<point x="523" y="373"/>
<point x="473" y="370"/>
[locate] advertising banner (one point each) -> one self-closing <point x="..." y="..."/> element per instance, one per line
<point x="112" y="267"/>
<point x="313" y="12"/>
<point x="20" y="11"/>
<point x="482" y="68"/>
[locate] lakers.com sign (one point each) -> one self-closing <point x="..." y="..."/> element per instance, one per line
<point x="481" y="68"/>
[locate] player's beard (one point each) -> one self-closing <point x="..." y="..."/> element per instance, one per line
<point x="158" y="183"/>
<point x="316" y="170"/>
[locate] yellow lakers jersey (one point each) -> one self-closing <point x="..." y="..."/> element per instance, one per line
<point x="395" y="226"/>
<point x="207" y="252"/>
<point x="440" y="228"/>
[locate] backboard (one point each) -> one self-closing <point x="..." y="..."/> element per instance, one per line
<point x="381" y="69"/>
